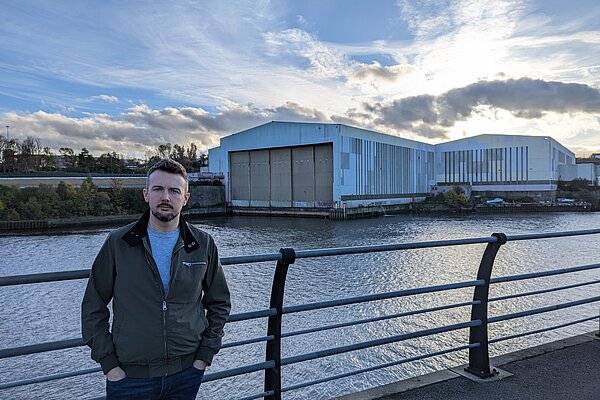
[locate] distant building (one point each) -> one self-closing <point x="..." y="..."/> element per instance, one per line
<point x="318" y="165"/>
<point x="514" y="164"/>
<point x="589" y="168"/>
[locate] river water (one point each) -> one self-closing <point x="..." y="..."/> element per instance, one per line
<point x="50" y="311"/>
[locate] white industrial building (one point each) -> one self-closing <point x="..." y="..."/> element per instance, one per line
<point x="502" y="163"/>
<point x="292" y="164"/>
<point x="319" y="165"/>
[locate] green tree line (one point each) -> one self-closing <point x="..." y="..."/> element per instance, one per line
<point x="66" y="201"/>
<point x="27" y="156"/>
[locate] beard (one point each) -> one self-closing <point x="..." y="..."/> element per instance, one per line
<point x="164" y="216"/>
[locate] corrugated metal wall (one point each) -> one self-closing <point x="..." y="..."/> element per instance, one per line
<point x="299" y="176"/>
<point x="506" y="165"/>
<point x="376" y="169"/>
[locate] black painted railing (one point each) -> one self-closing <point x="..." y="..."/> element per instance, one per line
<point x="479" y="323"/>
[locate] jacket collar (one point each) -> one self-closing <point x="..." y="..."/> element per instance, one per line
<point x="137" y="233"/>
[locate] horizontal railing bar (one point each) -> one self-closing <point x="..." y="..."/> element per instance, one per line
<point x="268" y="312"/>
<point x="325" y="252"/>
<point x="542" y="291"/>
<point x="549" y="235"/>
<point x="380" y="296"/>
<point x="339" y="251"/>
<point x="259" y="395"/>
<point x="248" y="341"/>
<point x="377" y="342"/>
<point x="207" y="378"/>
<point x="543" y="309"/>
<point x="246" y="369"/>
<point x="48" y="378"/>
<point x="40" y="348"/>
<point x="81" y="274"/>
<point x="518" y="335"/>
<point x="70" y="343"/>
<point x="382" y="318"/>
<point x="250" y="259"/>
<point x="532" y="275"/>
<point x="44" y="277"/>
<point x="382" y="366"/>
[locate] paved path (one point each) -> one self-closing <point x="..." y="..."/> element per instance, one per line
<point x="567" y="369"/>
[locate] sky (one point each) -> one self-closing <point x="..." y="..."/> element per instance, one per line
<point x="127" y="76"/>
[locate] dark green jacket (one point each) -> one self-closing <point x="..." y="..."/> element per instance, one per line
<point x="152" y="335"/>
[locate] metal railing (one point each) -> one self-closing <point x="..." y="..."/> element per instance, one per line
<point x="478" y="324"/>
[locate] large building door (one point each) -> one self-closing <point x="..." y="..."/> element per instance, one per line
<point x="324" y="175"/>
<point x="239" y="167"/>
<point x="260" y="179"/>
<point x="303" y="176"/>
<point x="281" y="177"/>
<point x="300" y="176"/>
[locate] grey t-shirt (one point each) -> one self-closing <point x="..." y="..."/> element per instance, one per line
<point x="162" y="244"/>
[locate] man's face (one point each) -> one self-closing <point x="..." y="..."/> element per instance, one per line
<point x="166" y="195"/>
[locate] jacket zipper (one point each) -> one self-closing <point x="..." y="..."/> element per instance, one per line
<point x="164" y="312"/>
<point x="164" y="309"/>
<point x="164" y="304"/>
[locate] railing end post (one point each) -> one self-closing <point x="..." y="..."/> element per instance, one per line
<point x="479" y="357"/>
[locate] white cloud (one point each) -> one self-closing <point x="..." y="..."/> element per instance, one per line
<point x="105" y="97"/>
<point x="141" y="128"/>
<point x="325" y="62"/>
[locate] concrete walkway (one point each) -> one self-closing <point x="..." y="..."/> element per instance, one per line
<point x="566" y="369"/>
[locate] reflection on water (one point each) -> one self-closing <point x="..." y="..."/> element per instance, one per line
<point x="50" y="311"/>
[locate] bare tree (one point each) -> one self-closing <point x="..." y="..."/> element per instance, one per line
<point x="29" y="148"/>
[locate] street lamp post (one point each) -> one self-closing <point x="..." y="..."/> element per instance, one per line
<point x="4" y="151"/>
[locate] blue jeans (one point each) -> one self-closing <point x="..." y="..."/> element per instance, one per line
<point x="182" y="385"/>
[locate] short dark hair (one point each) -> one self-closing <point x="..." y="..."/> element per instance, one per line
<point x="167" y="165"/>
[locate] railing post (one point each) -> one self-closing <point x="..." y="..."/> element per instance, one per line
<point x="273" y="375"/>
<point x="479" y="357"/>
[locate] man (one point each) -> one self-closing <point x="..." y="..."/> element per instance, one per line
<point x="170" y="299"/>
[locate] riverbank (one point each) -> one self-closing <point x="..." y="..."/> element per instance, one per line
<point x="8" y="227"/>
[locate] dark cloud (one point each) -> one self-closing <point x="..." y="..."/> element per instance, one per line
<point x="430" y="116"/>
<point x="373" y="71"/>
<point x="527" y="96"/>
<point x="353" y="117"/>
